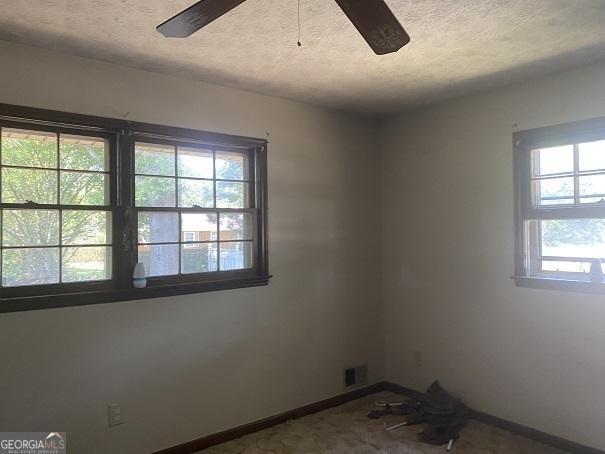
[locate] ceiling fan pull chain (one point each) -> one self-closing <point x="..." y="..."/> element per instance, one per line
<point x="298" y="40"/>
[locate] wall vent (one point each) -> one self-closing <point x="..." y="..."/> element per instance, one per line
<point x="356" y="376"/>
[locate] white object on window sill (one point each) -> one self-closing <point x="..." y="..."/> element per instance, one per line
<point x="139" y="279"/>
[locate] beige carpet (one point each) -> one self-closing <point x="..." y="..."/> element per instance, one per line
<point x="348" y="430"/>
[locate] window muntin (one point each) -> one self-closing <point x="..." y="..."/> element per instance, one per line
<point x="203" y="215"/>
<point x="56" y="225"/>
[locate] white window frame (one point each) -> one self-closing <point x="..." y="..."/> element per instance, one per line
<point x="188" y="238"/>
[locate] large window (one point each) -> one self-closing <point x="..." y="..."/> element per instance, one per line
<point x="560" y="179"/>
<point x="82" y="199"/>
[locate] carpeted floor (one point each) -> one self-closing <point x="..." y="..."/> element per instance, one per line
<point x="348" y="430"/>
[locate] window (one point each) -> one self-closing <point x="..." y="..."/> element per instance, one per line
<point x="82" y="199"/>
<point x="194" y="209"/>
<point x="56" y="207"/>
<point x="560" y="181"/>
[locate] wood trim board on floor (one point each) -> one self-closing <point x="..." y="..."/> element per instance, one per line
<point x="240" y="431"/>
<point x="237" y="432"/>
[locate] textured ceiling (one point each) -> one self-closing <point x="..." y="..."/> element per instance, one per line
<point x="458" y="46"/>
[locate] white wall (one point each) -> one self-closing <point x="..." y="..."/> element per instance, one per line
<point x="532" y="356"/>
<point x="188" y="366"/>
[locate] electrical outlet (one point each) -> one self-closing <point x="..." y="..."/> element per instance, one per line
<point x="114" y="415"/>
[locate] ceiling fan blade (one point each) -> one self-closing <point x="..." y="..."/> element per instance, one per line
<point x="376" y="23"/>
<point x="195" y="17"/>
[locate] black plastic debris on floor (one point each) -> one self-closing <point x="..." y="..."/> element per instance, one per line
<point x="443" y="415"/>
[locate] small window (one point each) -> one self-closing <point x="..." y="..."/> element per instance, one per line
<point x="560" y="179"/>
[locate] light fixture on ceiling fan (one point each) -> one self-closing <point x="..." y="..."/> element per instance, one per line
<point x="372" y="18"/>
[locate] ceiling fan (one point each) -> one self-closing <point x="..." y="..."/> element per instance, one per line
<point x="372" y="18"/>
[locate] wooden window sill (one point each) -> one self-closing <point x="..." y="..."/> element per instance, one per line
<point x="565" y="285"/>
<point x="27" y="303"/>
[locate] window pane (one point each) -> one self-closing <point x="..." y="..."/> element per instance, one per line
<point x="231" y="166"/>
<point x="198" y="227"/>
<point x="160" y="259"/>
<point x="86" y="227"/>
<point x="553" y="160"/>
<point x="567" y="267"/>
<point x="555" y="191"/>
<point x="86" y="264"/>
<point x="592" y="189"/>
<point x="236" y="226"/>
<point x="155" y="192"/>
<point x="195" y="162"/>
<point x="592" y="155"/>
<point x="83" y="153"/>
<point x="198" y="258"/>
<point x="79" y="188"/>
<point x="21" y="147"/>
<point x="581" y="238"/>
<point x="232" y="195"/>
<point x="21" y="185"/>
<point x="154" y="159"/>
<point x="196" y="193"/>
<point x="158" y="227"/>
<point x="236" y="256"/>
<point x="30" y="228"/>
<point x="34" y="266"/>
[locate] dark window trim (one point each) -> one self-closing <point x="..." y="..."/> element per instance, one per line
<point x="126" y="294"/>
<point x="67" y="119"/>
<point x="120" y="288"/>
<point x="523" y="142"/>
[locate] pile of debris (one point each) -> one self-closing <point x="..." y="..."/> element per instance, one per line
<point x="445" y="416"/>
